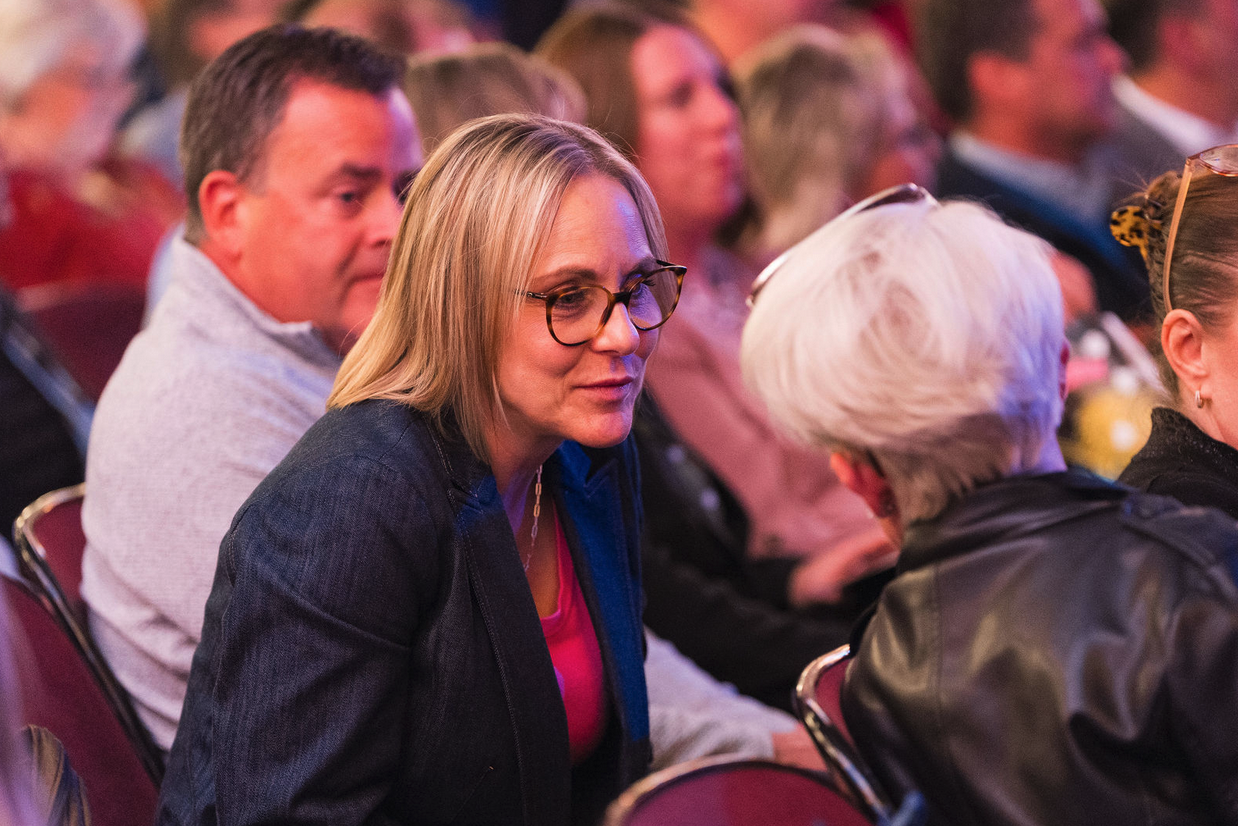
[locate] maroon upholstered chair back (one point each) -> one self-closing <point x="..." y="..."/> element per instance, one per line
<point x="52" y="529"/>
<point x="87" y="325"/>
<point x="60" y="694"/>
<point x="50" y="544"/>
<point x="829" y="689"/>
<point x="817" y="700"/>
<point x="732" y="792"/>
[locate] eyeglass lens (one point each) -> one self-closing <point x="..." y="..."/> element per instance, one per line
<point x="577" y="314"/>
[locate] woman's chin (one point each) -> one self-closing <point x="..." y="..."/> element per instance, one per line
<point x="607" y="433"/>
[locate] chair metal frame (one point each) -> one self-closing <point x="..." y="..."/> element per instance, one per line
<point x="848" y="772"/>
<point x="61" y="695"/>
<point x="37" y="573"/>
<point x="623" y="806"/>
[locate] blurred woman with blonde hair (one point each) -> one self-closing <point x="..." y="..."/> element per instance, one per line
<point x="828" y="120"/>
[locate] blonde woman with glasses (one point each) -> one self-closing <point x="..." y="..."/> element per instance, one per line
<point x="430" y="611"/>
<point x="1184" y="226"/>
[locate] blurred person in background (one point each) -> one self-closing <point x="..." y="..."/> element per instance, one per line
<point x="657" y="89"/>
<point x="447" y="90"/>
<point x="828" y="120"/>
<point x="1177" y="96"/>
<point x="44" y="417"/>
<point x="406" y="26"/>
<point x="185" y="36"/>
<point x="79" y="212"/>
<point x="736" y="26"/>
<point x="1054" y="648"/>
<point x="1027" y="86"/>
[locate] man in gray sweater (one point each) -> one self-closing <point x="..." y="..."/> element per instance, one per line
<point x="295" y="172"/>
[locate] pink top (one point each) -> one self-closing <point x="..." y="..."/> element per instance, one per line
<point x="577" y="659"/>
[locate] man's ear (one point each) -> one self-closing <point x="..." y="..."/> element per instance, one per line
<point x="221" y="201"/>
<point x="1182" y="339"/>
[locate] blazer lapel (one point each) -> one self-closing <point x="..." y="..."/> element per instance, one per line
<point x="596" y="532"/>
<point x="506" y="604"/>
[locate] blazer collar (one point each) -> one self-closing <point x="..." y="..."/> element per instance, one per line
<point x="586" y="490"/>
<point x="591" y="495"/>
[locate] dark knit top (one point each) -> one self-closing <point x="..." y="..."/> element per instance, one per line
<point x="1182" y="461"/>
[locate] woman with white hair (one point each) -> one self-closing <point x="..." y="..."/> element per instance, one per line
<point x="1054" y="648"/>
<point x="79" y="213"/>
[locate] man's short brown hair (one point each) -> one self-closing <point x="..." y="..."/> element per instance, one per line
<point x="948" y="33"/>
<point x="239" y="98"/>
<point x="1134" y="25"/>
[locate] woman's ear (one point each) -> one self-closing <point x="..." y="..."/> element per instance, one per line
<point x="1182" y="339"/>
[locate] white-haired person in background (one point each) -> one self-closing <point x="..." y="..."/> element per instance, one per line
<point x="1054" y="648"/>
<point x="79" y="212"/>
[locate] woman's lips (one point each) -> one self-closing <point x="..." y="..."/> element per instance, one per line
<point x="616" y="389"/>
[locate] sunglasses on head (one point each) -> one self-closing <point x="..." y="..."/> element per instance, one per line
<point x="1219" y="160"/>
<point x="901" y="194"/>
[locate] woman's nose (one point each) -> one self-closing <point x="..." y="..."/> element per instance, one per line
<point x="618" y="334"/>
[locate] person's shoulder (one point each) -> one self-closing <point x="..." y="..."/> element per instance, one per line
<point x="375" y="436"/>
<point x="1192" y="486"/>
<point x="371" y="464"/>
<point x="1184" y="538"/>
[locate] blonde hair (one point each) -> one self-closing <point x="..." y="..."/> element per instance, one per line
<point x="1203" y="279"/>
<point x="926" y="336"/>
<point x="476" y="219"/>
<point x="817" y="106"/>
<point x="447" y="90"/>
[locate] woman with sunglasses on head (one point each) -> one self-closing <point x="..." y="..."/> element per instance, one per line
<point x="1184" y="225"/>
<point x="429" y="612"/>
<point x="1054" y="648"/>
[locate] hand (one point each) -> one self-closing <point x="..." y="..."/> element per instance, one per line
<point x="822" y="577"/>
<point x="795" y="748"/>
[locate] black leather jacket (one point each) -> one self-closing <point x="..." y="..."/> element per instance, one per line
<point x="1057" y="650"/>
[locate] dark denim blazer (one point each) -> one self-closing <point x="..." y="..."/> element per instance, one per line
<point x="372" y="653"/>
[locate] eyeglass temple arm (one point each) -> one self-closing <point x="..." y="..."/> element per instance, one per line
<point x="1173" y="229"/>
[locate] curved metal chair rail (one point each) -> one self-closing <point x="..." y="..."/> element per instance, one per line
<point x="846" y="767"/>
<point x="35" y="569"/>
<point x="630" y="802"/>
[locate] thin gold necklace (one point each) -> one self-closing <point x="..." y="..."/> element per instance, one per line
<point x="537" y="512"/>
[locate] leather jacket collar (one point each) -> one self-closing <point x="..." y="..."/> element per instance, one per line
<point x="1010" y="506"/>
